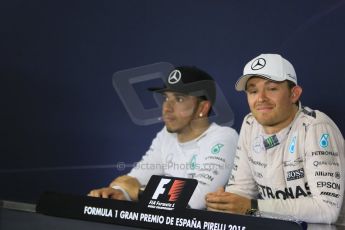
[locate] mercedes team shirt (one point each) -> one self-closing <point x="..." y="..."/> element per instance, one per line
<point x="298" y="172"/>
<point x="208" y="158"/>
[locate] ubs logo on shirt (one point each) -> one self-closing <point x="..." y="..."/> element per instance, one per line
<point x="258" y="144"/>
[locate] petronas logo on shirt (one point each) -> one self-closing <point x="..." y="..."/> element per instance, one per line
<point x="192" y="162"/>
<point x="324" y="140"/>
<point x="216" y="148"/>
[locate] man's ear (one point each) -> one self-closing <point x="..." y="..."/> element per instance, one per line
<point x="296" y="93"/>
<point x="204" y="108"/>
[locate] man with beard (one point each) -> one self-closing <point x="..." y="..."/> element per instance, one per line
<point x="188" y="146"/>
<point x="290" y="158"/>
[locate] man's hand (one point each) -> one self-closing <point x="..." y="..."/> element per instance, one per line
<point x="130" y="184"/>
<point x="222" y="201"/>
<point x="107" y="192"/>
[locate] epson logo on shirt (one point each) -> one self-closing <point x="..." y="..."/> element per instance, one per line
<point x="295" y="174"/>
<point x="332" y="185"/>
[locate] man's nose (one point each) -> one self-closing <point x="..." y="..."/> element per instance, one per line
<point x="168" y="106"/>
<point x="262" y="96"/>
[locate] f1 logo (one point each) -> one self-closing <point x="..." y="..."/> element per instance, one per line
<point x="160" y="188"/>
<point x="174" y="191"/>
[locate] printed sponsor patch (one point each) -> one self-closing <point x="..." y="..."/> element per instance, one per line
<point x="337" y="175"/>
<point x="324" y="153"/>
<point x="324" y="140"/>
<point x="192" y="162"/>
<point x="258" y="144"/>
<point x="292" y="146"/>
<point x="271" y="142"/>
<point x="295" y="174"/>
<point x="332" y="194"/>
<point x="328" y="184"/>
<point x="216" y="148"/>
<point x="293" y="192"/>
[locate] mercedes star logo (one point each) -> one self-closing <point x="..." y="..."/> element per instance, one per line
<point x="174" y="76"/>
<point x="258" y="64"/>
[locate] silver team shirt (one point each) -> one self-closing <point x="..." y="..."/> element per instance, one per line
<point x="299" y="171"/>
<point x="208" y="158"/>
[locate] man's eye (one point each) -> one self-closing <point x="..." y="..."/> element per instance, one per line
<point x="272" y="88"/>
<point x="252" y="91"/>
<point x="180" y="99"/>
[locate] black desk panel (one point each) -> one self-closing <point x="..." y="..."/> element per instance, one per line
<point x="15" y="216"/>
<point x="22" y="220"/>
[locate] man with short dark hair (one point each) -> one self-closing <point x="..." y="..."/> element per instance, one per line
<point x="188" y="146"/>
<point x="290" y="159"/>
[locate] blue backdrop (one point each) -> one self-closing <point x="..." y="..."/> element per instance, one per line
<point x="64" y="128"/>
